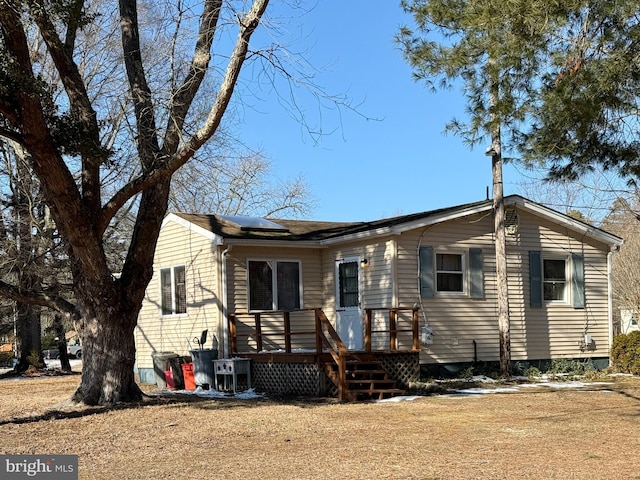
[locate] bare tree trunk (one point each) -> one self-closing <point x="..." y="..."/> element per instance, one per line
<point x="501" y="267"/>
<point x="109" y="316"/>
<point x="499" y="228"/>
<point x="108" y="358"/>
<point x="59" y="330"/>
<point x="28" y="337"/>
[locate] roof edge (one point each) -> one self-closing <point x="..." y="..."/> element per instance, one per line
<point x="183" y="222"/>
<point x="562" y="219"/>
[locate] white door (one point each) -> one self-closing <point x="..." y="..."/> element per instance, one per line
<point x="348" y="314"/>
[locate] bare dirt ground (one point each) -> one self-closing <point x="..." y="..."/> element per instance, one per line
<point x="542" y="433"/>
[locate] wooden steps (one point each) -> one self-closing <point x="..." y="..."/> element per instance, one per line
<point x="366" y="380"/>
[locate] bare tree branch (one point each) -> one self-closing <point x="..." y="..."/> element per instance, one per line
<point x="148" y="148"/>
<point x="248" y="24"/>
<point x="184" y="95"/>
<point x="43" y="299"/>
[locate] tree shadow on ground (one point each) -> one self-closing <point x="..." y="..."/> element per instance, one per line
<point x="69" y="410"/>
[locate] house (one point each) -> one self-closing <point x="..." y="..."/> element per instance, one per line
<point x="628" y="320"/>
<point x="419" y="287"/>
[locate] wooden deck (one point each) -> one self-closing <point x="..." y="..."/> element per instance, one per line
<point x="306" y="336"/>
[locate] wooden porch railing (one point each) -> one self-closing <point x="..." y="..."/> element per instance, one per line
<point x="327" y="339"/>
<point x="393" y="329"/>
<point x="285" y="333"/>
<point x="337" y="349"/>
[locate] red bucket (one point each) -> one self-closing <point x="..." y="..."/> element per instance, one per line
<point x="189" y="381"/>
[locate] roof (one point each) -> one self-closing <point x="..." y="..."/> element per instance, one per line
<point x="226" y="230"/>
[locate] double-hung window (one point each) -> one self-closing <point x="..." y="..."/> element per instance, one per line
<point x="554" y="280"/>
<point x="173" y="290"/>
<point x="274" y="285"/>
<point x="450" y="272"/>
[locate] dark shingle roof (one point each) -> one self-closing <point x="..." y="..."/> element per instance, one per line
<point x="317" y="231"/>
<point x="309" y="230"/>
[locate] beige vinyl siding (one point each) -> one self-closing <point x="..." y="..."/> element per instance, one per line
<point x="272" y="326"/>
<point x="178" y="245"/>
<point x="377" y="279"/>
<point x="556" y="330"/>
<point x="553" y="331"/>
<point x="456" y="319"/>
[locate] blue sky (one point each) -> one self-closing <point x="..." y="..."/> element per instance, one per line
<point x="397" y="161"/>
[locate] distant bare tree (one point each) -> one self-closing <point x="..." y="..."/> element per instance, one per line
<point x="592" y="195"/>
<point x="624" y="221"/>
<point x="242" y="186"/>
<point x="31" y="255"/>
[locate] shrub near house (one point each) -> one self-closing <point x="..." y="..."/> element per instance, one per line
<point x="625" y="353"/>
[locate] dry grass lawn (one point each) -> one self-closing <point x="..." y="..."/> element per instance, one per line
<point x="592" y="434"/>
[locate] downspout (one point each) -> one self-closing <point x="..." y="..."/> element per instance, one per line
<point x="225" y="311"/>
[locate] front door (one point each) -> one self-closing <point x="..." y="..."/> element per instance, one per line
<point x="348" y="315"/>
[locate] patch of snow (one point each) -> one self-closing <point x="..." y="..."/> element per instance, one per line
<point x="74" y="362"/>
<point x="474" y="379"/>
<point x="212" y="393"/>
<point x="50" y="364"/>
<point x="469" y="392"/>
<point x="571" y="384"/>
<point x="400" y="398"/>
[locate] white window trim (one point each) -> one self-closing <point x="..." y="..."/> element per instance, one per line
<point x="567" y="279"/>
<point x="172" y="269"/>
<point x="465" y="286"/>
<point x="274" y="277"/>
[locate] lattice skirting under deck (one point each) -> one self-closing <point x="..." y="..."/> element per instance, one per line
<point x="403" y="367"/>
<point x="304" y="379"/>
<point x="307" y="379"/>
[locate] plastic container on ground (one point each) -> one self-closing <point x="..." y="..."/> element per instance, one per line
<point x="203" y="371"/>
<point x="162" y="363"/>
<point x="187" y="371"/>
<point x="176" y="368"/>
<point x="168" y="378"/>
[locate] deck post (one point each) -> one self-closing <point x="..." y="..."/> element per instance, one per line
<point x="258" y="326"/>
<point x="233" y="339"/>
<point x="414" y="326"/>
<point x="342" y="375"/>
<point x="318" y="333"/>
<point x="287" y="332"/>
<point x="367" y="330"/>
<point x="393" y="334"/>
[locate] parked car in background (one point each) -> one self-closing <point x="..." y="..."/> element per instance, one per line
<point x="51" y="354"/>
<point x="74" y="350"/>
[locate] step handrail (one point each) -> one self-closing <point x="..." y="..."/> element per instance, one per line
<point x="338" y="353"/>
